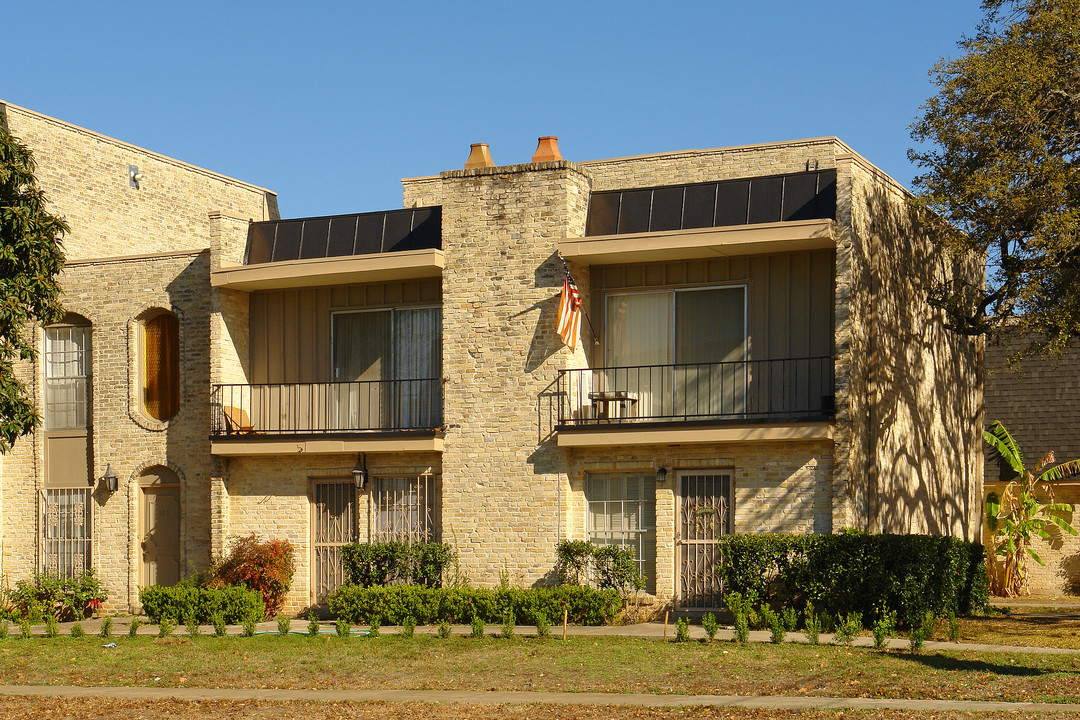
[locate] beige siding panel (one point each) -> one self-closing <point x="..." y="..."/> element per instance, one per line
<point x="275" y="340"/>
<point x="822" y="310"/>
<point x="257" y="337"/>
<point x="778" y="323"/>
<point x="799" y="324"/>
<point x="66" y="462"/>
<point x="323" y="360"/>
<point x="306" y="332"/>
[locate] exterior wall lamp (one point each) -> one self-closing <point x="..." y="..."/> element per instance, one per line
<point x="359" y="471"/>
<point x="109" y="479"/>
<point x="661" y="474"/>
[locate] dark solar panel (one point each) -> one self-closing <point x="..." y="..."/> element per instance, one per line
<point x="343" y="235"/>
<point x="797" y="196"/>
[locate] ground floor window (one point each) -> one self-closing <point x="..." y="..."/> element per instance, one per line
<point x="405" y="509"/>
<point x="66" y="531"/>
<point x="622" y="511"/>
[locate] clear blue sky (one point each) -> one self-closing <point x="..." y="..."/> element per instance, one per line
<point x="331" y="103"/>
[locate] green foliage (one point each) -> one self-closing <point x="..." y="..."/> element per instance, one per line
<point x="5" y="631"/>
<point x="395" y="563"/>
<point x="201" y="604"/>
<point x="742" y="628"/>
<point x="508" y="624"/>
<point x="312" y="625"/>
<point x="106" y="627"/>
<point x="884" y="628"/>
<point x="31" y="258"/>
<point x="408" y="628"/>
<point x="25" y="631"/>
<point x="709" y="625"/>
<point x="343" y="629"/>
<point x="373" y="627"/>
<point x="166" y="625"/>
<point x="811" y="625"/>
<point x="444" y="630"/>
<point x="790" y="617"/>
<point x="192" y="625"/>
<point x="682" y="630"/>
<point x="266" y="566"/>
<point x="1024" y="512"/>
<point x="778" y="629"/>
<point x="133" y="627"/>
<point x="999" y="160"/>
<point x="217" y="619"/>
<point x="64" y="599"/>
<point x="586" y="606"/>
<point x="248" y="626"/>
<point x="847" y="628"/>
<point x="954" y="628"/>
<point x="543" y="625"/>
<point x="477" y="625"/>
<point x="608" y="567"/>
<point x="52" y="627"/>
<point x="928" y="623"/>
<point x="77" y="631"/>
<point x="284" y="624"/>
<point x="856" y="572"/>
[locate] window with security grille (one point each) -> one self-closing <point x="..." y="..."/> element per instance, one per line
<point x="67" y="377"/>
<point x="66" y="523"/>
<point x="622" y="511"/>
<point x="404" y="509"/>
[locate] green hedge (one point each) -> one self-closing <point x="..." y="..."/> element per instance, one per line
<point x="389" y="563"/>
<point x="186" y="602"/>
<point x="858" y="572"/>
<point x="396" y="603"/>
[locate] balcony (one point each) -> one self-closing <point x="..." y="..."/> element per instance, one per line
<point x="780" y="399"/>
<point x="375" y="415"/>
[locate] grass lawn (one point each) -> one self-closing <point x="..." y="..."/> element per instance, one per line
<point x="1059" y="630"/>
<point x="78" y="709"/>
<point x="602" y="664"/>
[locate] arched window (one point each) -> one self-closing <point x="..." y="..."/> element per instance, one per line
<point x="161" y="365"/>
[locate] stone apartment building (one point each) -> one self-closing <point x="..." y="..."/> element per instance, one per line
<point x="758" y="356"/>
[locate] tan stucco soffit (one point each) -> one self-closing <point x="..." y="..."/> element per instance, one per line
<point x="325" y="446"/>
<point x="380" y="267"/>
<point x="701" y="243"/>
<point x="624" y="435"/>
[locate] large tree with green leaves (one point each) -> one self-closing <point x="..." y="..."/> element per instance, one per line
<point x="31" y="257"/>
<point x="1000" y="159"/>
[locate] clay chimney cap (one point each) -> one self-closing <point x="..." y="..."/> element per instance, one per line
<point x="547" y="149"/>
<point x="479" y="156"/>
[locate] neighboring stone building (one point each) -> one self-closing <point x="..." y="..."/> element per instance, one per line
<point x="759" y="356"/>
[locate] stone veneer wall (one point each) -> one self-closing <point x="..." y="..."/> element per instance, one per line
<point x="160" y="235"/>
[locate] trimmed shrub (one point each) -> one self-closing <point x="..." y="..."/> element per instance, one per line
<point x="608" y="567"/>
<point x="395" y="563"/>
<point x="586" y="606"/>
<point x="63" y="599"/>
<point x="200" y="604"/>
<point x="858" y="572"/>
<point x="266" y="566"/>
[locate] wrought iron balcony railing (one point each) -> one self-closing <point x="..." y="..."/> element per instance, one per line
<point x="781" y="390"/>
<point x="326" y="408"/>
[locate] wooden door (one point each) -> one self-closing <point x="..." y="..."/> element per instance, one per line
<point x="159" y="514"/>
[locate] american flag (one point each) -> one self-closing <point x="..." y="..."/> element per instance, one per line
<point x="569" y="312"/>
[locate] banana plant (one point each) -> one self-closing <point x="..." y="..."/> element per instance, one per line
<point x="1024" y="512"/>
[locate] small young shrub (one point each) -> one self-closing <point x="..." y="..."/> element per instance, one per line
<point x="811" y="625"/>
<point x="847" y="628"/>
<point x="508" y="624"/>
<point x="284" y="624"/>
<point x="884" y="627"/>
<point x="916" y="638"/>
<point x="927" y="625"/>
<point x="768" y="618"/>
<point x="373" y="627"/>
<point x="708" y="624"/>
<point x="778" y="628"/>
<point x="790" y="618"/>
<point x="477" y="625"/>
<point x="5" y="632"/>
<point x="444" y="630"/>
<point x="266" y="566"/>
<point x="52" y="627"/>
<point x="191" y="622"/>
<point x="77" y="631"/>
<point x="106" y="627"/>
<point x="343" y="629"/>
<point x="133" y="627"/>
<point x="312" y="625"/>
<point x="220" y="627"/>
<point x="954" y="627"/>
<point x="682" y="630"/>
<point x="543" y="625"/>
<point x="408" y="627"/>
<point x="25" y="631"/>
<point x="742" y="629"/>
<point x="166" y="626"/>
<point x="248" y="626"/>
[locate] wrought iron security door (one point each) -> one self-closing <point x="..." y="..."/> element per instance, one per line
<point x="334" y="525"/>
<point x="704" y="517"/>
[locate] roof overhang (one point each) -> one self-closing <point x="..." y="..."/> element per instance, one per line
<point x="627" y="434"/>
<point x="728" y="241"/>
<point x="377" y="267"/>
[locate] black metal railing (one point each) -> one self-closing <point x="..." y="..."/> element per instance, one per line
<point x="326" y="408"/>
<point x="750" y="390"/>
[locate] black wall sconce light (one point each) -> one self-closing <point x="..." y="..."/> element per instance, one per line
<point x="661" y="474"/>
<point x="109" y="479"/>
<point x="359" y="471"/>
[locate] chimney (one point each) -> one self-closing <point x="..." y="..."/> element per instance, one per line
<point x="479" y="157"/>
<point x="547" y="150"/>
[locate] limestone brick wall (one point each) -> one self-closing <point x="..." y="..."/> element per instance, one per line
<point x="778" y="487"/>
<point x="924" y="383"/>
<point x="85" y="177"/>
<point x="271" y="497"/>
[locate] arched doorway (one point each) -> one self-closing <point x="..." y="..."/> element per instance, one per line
<point x="159" y="526"/>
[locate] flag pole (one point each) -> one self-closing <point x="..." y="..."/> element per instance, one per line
<point x="566" y="269"/>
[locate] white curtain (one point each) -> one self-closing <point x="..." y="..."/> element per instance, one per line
<point x="418" y="366"/>
<point x="639" y="333"/>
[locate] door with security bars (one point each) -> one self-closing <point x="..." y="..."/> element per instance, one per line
<point x="704" y="516"/>
<point x="67" y="529"/>
<point x="333" y="509"/>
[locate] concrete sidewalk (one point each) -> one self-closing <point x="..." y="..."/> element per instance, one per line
<point x="523" y="698"/>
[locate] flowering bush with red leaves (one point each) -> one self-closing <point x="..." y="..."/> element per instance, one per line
<point x="265" y="566"/>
